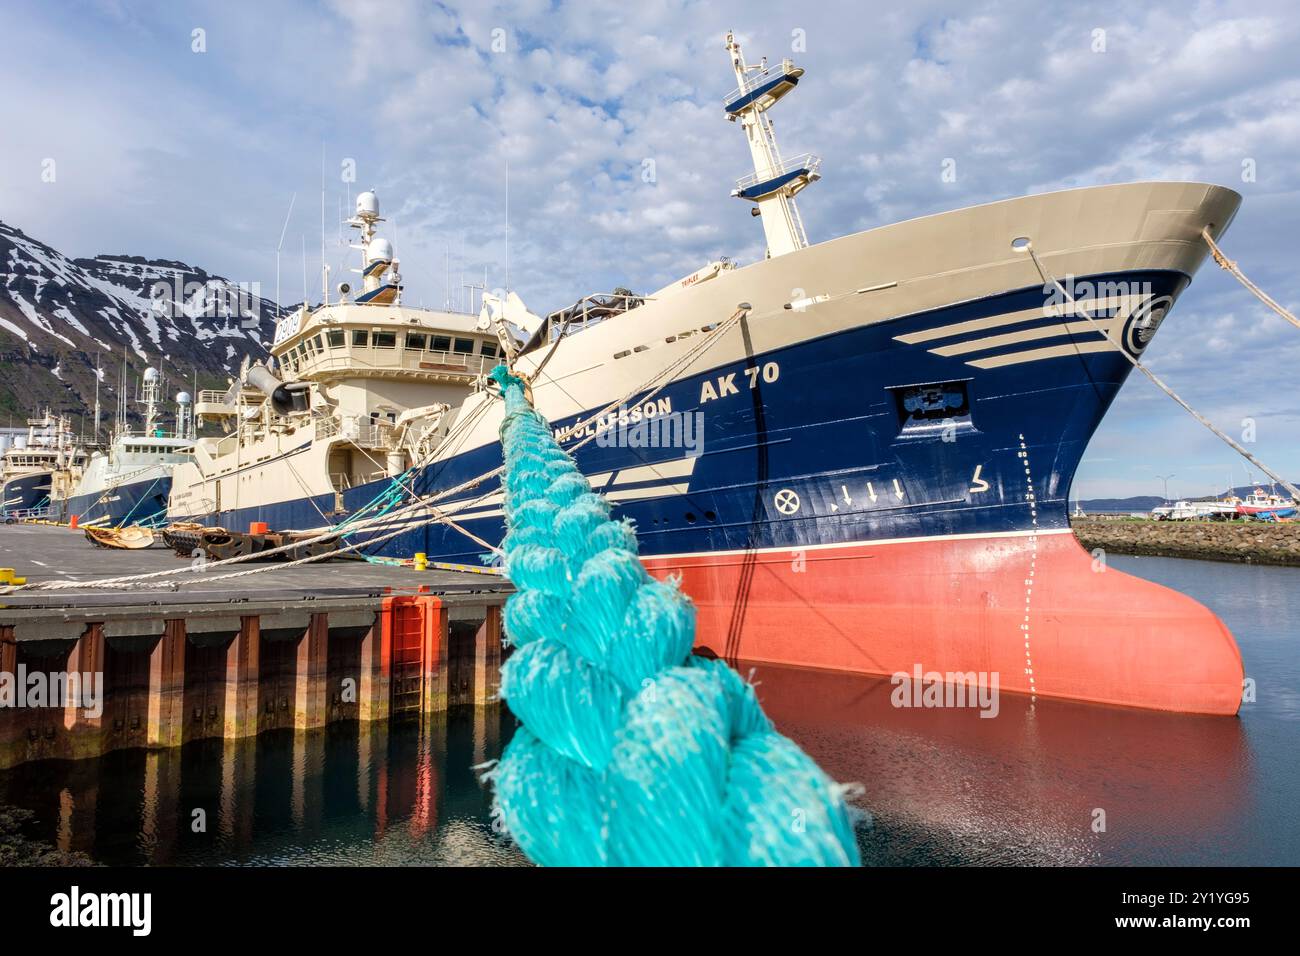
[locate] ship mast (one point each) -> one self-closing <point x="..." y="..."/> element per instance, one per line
<point x="775" y="182"/>
<point x="381" y="281"/>
<point x="150" y="397"/>
<point x="98" y="375"/>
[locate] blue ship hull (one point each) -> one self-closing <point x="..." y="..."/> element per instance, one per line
<point x="833" y="428"/>
<point x="26" y="493"/>
<point x="883" y="499"/>
<point x="135" y="503"/>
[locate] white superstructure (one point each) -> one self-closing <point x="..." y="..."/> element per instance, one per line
<point x="129" y="482"/>
<point x="355" y="390"/>
<point x="37" y="468"/>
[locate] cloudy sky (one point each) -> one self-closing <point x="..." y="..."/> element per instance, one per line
<point x="181" y="130"/>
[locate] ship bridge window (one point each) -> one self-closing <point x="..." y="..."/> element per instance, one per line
<point x="441" y="343"/>
<point x="319" y="345"/>
<point x="489" y="349"/>
<point x="385" y="340"/>
<point x="335" y="338"/>
<point x="465" y="346"/>
<point x="934" y="410"/>
<point x="416" y="340"/>
<point x="360" y="338"/>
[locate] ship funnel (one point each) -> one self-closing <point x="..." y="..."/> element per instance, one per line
<point x="284" y="398"/>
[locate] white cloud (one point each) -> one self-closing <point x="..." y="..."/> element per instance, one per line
<point x="166" y="153"/>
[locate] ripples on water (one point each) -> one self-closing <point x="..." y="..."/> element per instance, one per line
<point x="947" y="787"/>
<point x="351" y="794"/>
<point x="941" y="786"/>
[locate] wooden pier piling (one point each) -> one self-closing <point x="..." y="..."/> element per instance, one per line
<point x="160" y="675"/>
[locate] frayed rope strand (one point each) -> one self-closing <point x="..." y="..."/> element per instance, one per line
<point x="633" y="752"/>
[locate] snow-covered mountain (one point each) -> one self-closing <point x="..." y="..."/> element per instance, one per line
<point x="57" y="314"/>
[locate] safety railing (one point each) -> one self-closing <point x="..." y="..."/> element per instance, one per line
<point x="804" y="161"/>
<point x="759" y="79"/>
<point x="396" y="359"/>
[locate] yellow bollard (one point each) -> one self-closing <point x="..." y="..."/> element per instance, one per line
<point x="6" y="575"/>
<point x="421" y="561"/>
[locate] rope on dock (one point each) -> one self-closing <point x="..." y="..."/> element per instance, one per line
<point x="1137" y="364"/>
<point x="632" y="752"/>
<point x="1226" y="263"/>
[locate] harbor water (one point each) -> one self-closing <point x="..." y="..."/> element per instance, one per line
<point x="1041" y="784"/>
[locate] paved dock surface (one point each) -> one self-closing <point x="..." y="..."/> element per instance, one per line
<point x="49" y="553"/>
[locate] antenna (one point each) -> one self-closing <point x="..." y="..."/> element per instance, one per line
<point x="507" y="286"/>
<point x="121" y="394"/>
<point x="324" y="270"/>
<point x="283" y="230"/>
<point x="304" y="270"/>
<point x="97" y="374"/>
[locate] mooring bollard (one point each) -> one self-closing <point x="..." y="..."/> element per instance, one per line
<point x="421" y="561"/>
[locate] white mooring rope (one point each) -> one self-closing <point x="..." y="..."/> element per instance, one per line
<point x="1137" y="364"/>
<point x="1231" y="267"/>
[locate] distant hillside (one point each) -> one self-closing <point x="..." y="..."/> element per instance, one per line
<point x="56" y="313"/>
<point x="1147" y="502"/>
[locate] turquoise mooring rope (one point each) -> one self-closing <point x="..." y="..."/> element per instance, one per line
<point x="633" y="752"/>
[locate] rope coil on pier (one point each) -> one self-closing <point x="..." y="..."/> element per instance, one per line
<point x="632" y="752"/>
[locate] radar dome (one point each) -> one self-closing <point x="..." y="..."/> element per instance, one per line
<point x="367" y="204"/>
<point x="183" y="398"/>
<point x="151" y="375"/>
<point x="379" y="250"/>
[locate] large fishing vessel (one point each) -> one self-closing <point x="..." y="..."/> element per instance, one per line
<point x="38" y="468"/>
<point x="856" y="454"/>
<point x="129" y="483"/>
<point x="358" y="392"/>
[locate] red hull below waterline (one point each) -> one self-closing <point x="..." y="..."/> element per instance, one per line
<point x="1034" y="608"/>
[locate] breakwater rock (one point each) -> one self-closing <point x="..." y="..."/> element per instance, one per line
<point x="1250" y="542"/>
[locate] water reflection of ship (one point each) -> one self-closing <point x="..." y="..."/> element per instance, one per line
<point x="945" y="785"/>
<point x="350" y="793"/>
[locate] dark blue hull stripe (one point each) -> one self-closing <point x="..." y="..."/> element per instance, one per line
<point x="815" y="447"/>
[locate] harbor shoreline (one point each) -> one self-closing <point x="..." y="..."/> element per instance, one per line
<point x="1240" y="542"/>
